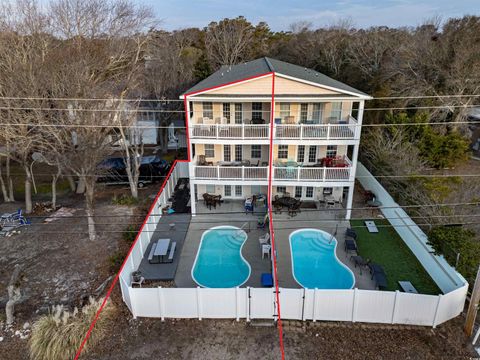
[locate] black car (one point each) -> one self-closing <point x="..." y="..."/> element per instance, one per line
<point x="113" y="170"/>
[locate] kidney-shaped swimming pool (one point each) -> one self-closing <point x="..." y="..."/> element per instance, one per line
<point x="219" y="262"/>
<point x="315" y="263"/>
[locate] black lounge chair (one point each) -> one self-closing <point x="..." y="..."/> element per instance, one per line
<point x="351" y="233"/>
<point x="350" y="245"/>
<point x="378" y="275"/>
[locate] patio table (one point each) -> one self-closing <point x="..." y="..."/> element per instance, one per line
<point x="161" y="248"/>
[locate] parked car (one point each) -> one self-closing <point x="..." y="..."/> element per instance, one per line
<point x="113" y="170"/>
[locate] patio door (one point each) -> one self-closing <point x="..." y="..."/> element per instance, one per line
<point x="238" y="113"/>
<point x="238" y="191"/>
<point x="238" y="153"/>
<point x="226" y="153"/>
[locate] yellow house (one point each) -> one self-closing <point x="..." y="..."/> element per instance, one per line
<point x="310" y="122"/>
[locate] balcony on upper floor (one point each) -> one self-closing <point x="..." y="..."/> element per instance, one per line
<point x="345" y="129"/>
<point x="292" y="121"/>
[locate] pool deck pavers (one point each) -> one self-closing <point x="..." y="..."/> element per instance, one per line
<point x="189" y="229"/>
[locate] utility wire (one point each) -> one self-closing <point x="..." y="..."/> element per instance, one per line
<point x="113" y="126"/>
<point x="181" y="100"/>
<point x="255" y="220"/>
<point x="277" y="228"/>
<point x="182" y="111"/>
<point x="303" y="210"/>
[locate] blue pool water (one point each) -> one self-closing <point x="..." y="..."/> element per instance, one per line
<point x="219" y="262"/>
<point x="315" y="263"/>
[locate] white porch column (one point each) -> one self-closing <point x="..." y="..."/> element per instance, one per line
<point x="357" y="142"/>
<point x="349" y="202"/>
<point x="193" y="204"/>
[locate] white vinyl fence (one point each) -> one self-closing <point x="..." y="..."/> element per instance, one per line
<point x="352" y="305"/>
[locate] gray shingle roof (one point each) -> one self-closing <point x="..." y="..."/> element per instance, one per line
<point x="227" y="74"/>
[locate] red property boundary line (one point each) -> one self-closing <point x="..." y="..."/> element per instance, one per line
<point x="270" y="218"/>
<point x="269" y="194"/>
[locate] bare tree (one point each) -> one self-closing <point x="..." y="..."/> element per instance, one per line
<point x="228" y="41"/>
<point x="24" y="45"/>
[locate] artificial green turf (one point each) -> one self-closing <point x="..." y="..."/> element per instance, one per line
<point x="388" y="249"/>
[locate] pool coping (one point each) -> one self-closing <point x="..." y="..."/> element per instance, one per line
<point x="334" y="252"/>
<point x="241" y="255"/>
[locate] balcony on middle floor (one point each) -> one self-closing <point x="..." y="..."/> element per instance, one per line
<point x="229" y="170"/>
<point x="328" y="170"/>
<point x="230" y="131"/>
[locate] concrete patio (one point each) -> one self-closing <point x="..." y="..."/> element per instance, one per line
<point x="166" y="271"/>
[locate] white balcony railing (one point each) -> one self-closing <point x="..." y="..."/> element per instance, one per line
<point x="349" y="130"/>
<point x="229" y="131"/>
<point x="317" y="131"/>
<point x="231" y="173"/>
<point x="311" y="173"/>
<point x="296" y="174"/>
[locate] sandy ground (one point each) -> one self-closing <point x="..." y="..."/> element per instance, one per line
<point x="60" y="265"/>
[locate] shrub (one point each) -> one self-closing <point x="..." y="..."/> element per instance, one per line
<point x="124" y="199"/>
<point x="58" y="335"/>
<point x="116" y="260"/>
<point x="452" y="240"/>
<point x="130" y="234"/>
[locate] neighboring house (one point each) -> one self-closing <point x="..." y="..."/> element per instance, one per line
<point x="315" y="138"/>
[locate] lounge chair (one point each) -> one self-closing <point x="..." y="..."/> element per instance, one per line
<point x="350" y="246"/>
<point x="378" y="275"/>
<point x="351" y="233"/>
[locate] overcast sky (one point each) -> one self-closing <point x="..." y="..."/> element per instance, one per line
<point x="279" y="14"/>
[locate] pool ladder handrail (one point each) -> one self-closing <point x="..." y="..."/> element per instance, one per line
<point x="247" y="223"/>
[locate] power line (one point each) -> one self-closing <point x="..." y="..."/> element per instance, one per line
<point x="182" y="111"/>
<point x="254" y="220"/>
<point x="303" y="210"/>
<point x="181" y="100"/>
<point x="205" y="229"/>
<point x="113" y="126"/>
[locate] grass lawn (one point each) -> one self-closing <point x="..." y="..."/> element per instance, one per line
<point x="388" y="249"/>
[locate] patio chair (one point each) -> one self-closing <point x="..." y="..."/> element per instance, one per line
<point x="264" y="239"/>
<point x="203" y="162"/>
<point x="262" y="222"/>
<point x="378" y="275"/>
<point x="292" y="210"/>
<point x="266" y="250"/>
<point x="137" y="278"/>
<point x="350" y="246"/>
<point x="351" y="233"/>
<point x="358" y="260"/>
